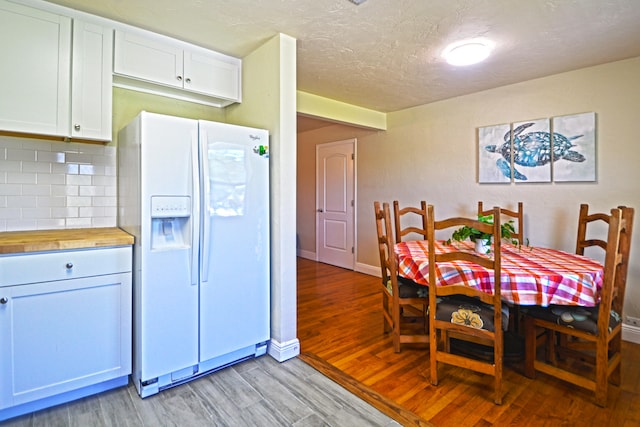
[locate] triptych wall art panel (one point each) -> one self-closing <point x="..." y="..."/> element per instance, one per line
<point x="562" y="149"/>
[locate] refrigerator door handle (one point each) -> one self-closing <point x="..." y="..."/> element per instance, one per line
<point x="195" y="215"/>
<point x="206" y="199"/>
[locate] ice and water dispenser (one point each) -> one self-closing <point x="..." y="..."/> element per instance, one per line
<point x="170" y="222"/>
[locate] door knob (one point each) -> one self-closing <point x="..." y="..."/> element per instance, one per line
<point x="76" y="127"/>
<point x="320" y="210"/>
<point x="4" y="300"/>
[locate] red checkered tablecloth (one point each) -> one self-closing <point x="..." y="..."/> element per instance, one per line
<point x="530" y="276"/>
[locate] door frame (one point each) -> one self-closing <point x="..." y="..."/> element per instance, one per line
<point x="354" y="232"/>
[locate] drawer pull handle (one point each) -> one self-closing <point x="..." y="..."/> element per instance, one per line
<point x="69" y="265"/>
<point x="4" y="300"/>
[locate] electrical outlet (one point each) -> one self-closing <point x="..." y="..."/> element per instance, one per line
<point x="635" y="321"/>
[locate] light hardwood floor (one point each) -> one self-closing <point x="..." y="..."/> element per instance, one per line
<point x="340" y="323"/>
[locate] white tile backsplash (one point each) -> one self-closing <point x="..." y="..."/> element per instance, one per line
<point x="10" y="189"/>
<point x="22" y="201"/>
<point x="49" y="184"/>
<point x="36" y="190"/>
<point x="10" y="165"/>
<point x="78" y="179"/>
<point x="38" y="167"/>
<point x="21" y="178"/>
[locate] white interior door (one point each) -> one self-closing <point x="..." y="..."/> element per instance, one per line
<point x="335" y="203"/>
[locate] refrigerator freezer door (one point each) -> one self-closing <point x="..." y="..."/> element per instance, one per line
<point x="235" y="286"/>
<point x="166" y="297"/>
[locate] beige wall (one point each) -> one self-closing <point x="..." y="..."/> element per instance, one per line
<point x="429" y="152"/>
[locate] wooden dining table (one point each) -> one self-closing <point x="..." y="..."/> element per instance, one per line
<point x="529" y="275"/>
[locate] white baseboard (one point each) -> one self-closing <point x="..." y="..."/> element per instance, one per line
<point x="631" y="333"/>
<point x="283" y="351"/>
<point x="371" y="270"/>
<point x="307" y="254"/>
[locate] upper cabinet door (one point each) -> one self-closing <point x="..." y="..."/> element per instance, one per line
<point x="35" y="47"/>
<point x="152" y="63"/>
<point x="212" y="74"/>
<point x="91" y="95"/>
<point x="147" y="59"/>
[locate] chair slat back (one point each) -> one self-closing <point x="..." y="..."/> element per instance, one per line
<point x="385" y="241"/>
<point x="517" y="215"/>
<point x="613" y="258"/>
<point x="492" y="262"/>
<point x="409" y="212"/>
<point x="584" y="221"/>
<point x="624" y="249"/>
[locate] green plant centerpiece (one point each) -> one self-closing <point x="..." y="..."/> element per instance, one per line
<point x="464" y="233"/>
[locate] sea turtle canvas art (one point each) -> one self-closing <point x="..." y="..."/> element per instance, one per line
<point x="577" y="124"/>
<point x="527" y="151"/>
<point x="519" y="153"/>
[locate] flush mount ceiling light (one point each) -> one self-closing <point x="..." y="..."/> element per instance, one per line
<point x="467" y="52"/>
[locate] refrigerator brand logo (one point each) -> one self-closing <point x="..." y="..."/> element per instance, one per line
<point x="262" y="150"/>
<point x="254" y="137"/>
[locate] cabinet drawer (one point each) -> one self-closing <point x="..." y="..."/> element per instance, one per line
<point x="18" y="269"/>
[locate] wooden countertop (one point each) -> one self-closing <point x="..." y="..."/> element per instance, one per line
<point x="12" y="242"/>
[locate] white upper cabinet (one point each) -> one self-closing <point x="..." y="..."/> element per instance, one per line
<point x="91" y="95"/>
<point x="55" y="77"/>
<point x="147" y="59"/>
<point x="212" y="74"/>
<point x="35" y="49"/>
<point x="152" y="63"/>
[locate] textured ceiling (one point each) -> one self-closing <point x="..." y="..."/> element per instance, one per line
<point x="385" y="54"/>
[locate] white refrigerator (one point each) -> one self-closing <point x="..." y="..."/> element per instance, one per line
<point x="195" y="194"/>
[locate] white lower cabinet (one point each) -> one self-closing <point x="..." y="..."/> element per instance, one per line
<point x="68" y="337"/>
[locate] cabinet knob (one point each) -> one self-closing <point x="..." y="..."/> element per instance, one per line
<point x="188" y="80"/>
<point x="76" y="127"/>
<point x="179" y="78"/>
<point x="69" y="265"/>
<point x="4" y="300"/>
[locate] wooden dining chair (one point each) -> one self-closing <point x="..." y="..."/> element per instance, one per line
<point x="464" y="312"/>
<point x="404" y="302"/>
<point x="414" y="218"/>
<point x="517" y="216"/>
<point x="588" y="336"/>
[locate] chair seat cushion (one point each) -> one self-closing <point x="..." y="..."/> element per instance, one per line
<point x="582" y="318"/>
<point x="470" y="312"/>
<point x="409" y="289"/>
